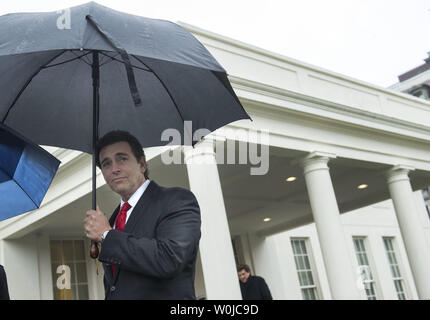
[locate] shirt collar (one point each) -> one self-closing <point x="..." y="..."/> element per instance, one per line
<point x="137" y="194"/>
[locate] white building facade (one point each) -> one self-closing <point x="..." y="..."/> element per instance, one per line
<point x="350" y="224"/>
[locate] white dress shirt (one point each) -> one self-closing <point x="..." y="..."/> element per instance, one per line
<point x="132" y="202"/>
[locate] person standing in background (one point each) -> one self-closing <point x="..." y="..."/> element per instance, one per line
<point x="4" y="291"/>
<point x="252" y="287"/>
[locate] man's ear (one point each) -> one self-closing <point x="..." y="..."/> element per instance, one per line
<point x="142" y="163"/>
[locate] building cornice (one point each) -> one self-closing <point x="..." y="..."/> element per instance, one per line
<point x="316" y="107"/>
<point x="263" y="53"/>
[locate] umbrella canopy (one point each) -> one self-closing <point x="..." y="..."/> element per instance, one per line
<point x="26" y="171"/>
<point x="69" y="77"/>
<point x="153" y="75"/>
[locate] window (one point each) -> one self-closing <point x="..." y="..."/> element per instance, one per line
<point x="69" y="273"/>
<point x="304" y="270"/>
<point x="395" y="268"/>
<point x="366" y="272"/>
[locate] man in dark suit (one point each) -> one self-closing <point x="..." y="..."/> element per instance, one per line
<point x="149" y="245"/>
<point x="4" y="291"/>
<point x="252" y="287"/>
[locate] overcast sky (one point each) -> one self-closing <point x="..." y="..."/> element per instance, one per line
<point x="370" y="40"/>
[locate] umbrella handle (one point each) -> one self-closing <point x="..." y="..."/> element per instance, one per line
<point x="94" y="250"/>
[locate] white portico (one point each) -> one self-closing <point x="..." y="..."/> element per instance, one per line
<point x="332" y="133"/>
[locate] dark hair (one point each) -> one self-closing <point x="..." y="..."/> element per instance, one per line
<point x="243" y="267"/>
<point x="121" y="136"/>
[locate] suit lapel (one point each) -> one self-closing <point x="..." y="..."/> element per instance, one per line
<point x="113" y="216"/>
<point x="140" y="208"/>
<point x="135" y="216"/>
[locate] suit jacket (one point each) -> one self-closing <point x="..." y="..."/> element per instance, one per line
<point x="156" y="252"/>
<point x="255" y="289"/>
<point x="4" y="292"/>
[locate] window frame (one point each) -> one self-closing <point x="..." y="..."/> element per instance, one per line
<point x="73" y="265"/>
<point x="312" y="269"/>
<point x="400" y="268"/>
<point x="374" y="283"/>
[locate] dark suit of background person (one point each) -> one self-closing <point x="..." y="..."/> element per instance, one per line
<point x="157" y="250"/>
<point x="4" y="291"/>
<point x="255" y="289"/>
<point x="252" y="287"/>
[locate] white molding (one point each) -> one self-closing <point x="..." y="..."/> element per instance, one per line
<point x="327" y="109"/>
<point x="222" y="42"/>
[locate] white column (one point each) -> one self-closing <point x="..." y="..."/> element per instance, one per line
<point x="216" y="250"/>
<point x="412" y="232"/>
<point x="267" y="265"/>
<point x="342" y="279"/>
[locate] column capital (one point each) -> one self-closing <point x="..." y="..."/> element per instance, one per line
<point x="316" y="160"/>
<point x="398" y="173"/>
<point x="205" y="147"/>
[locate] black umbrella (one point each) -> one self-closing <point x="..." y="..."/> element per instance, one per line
<point x="67" y="78"/>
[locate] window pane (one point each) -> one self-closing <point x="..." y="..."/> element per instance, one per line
<point x="296" y="247"/>
<point x="394" y="267"/>
<point x="74" y="292"/>
<point x="308" y="281"/>
<point x="56" y="251"/>
<point x="299" y="262"/>
<point x="72" y="267"/>
<point x="309" y="294"/>
<point x="81" y="272"/>
<point x="305" y="294"/>
<point x="306" y="263"/>
<point x="396" y="271"/>
<point x="310" y="278"/>
<point x="303" y="247"/>
<point x="296" y="260"/>
<point x="68" y="251"/>
<point x="370" y="291"/>
<point x="312" y="295"/>
<point x="83" y="292"/>
<point x="304" y="271"/>
<point x="303" y="263"/>
<point x="302" y="278"/>
<point x="363" y="262"/>
<point x="361" y="245"/>
<point x="64" y="294"/>
<point x="398" y="285"/>
<point x="79" y="250"/>
<point x="68" y="256"/>
<point x="391" y="258"/>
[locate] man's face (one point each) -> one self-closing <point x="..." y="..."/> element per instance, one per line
<point x="121" y="170"/>
<point x="243" y="275"/>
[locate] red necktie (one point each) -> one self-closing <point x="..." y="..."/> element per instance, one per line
<point x="122" y="216"/>
<point x="120" y="222"/>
